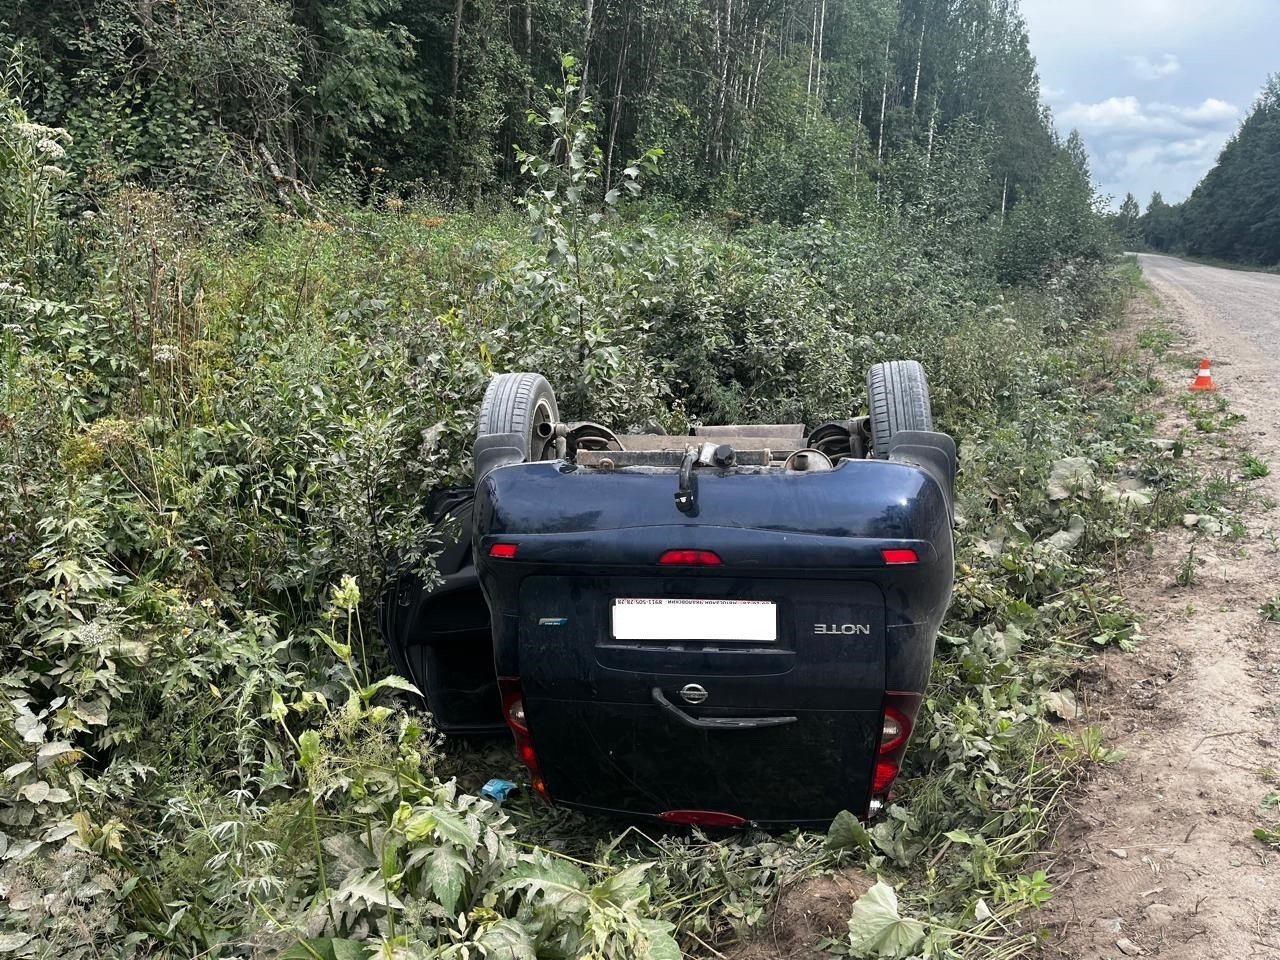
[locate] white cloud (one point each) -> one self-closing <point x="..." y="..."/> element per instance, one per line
<point x="1180" y="162"/>
<point x="1212" y="110"/>
<point x="1145" y="69"/>
<point x="1129" y="116"/>
<point x="1105" y="55"/>
<point x="1134" y="142"/>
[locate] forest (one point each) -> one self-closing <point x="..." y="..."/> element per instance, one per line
<point x="259" y="259"/>
<point x="765" y="108"/>
<point x="1233" y="215"/>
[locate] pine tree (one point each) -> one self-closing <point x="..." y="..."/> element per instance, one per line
<point x="1234" y="213"/>
<point x="1126" y="222"/>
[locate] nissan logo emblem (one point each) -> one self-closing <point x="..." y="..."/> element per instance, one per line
<point x="693" y="693"/>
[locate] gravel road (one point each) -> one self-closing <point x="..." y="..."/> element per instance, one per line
<point x="1158" y="857"/>
<point x="1232" y="313"/>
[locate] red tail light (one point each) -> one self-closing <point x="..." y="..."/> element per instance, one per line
<point x="896" y="722"/>
<point x="899" y="555"/>
<point x="513" y="705"/>
<point x="513" y="713"/>
<point x="691" y="558"/>
<point x="503" y="551"/>
<point x="527" y="755"/>
<point x="895" y="728"/>
<point x="886" y="773"/>
<point x="703" y="818"/>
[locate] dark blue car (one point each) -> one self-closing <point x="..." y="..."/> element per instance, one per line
<point x="734" y="626"/>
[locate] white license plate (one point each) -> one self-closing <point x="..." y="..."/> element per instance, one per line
<point x="663" y="619"/>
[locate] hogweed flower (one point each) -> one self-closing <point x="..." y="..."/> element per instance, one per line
<point x="346" y="595"/>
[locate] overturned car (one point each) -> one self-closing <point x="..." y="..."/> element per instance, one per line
<point x="730" y="627"/>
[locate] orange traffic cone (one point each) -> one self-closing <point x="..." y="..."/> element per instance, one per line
<point x="1204" y="379"/>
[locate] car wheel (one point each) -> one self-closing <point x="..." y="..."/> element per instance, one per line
<point x="898" y="394"/>
<point x="515" y="422"/>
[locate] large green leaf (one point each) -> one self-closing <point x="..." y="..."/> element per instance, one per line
<point x="876" y="929"/>
<point x="847" y="833"/>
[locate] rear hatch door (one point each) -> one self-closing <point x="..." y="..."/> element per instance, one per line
<point x="754" y="695"/>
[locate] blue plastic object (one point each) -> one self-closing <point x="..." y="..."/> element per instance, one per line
<point x="497" y="790"/>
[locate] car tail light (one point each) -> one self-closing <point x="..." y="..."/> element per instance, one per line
<point x="886" y="773"/>
<point x="503" y="551"/>
<point x="896" y="722"/>
<point x="895" y="556"/>
<point x="894" y="729"/>
<point x="703" y="818"/>
<point x="513" y="713"/>
<point x="513" y="705"/>
<point x="691" y="558"/>
<point x="527" y="755"/>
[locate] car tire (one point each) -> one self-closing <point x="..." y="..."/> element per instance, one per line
<point x="898" y="394"/>
<point x="514" y="406"/>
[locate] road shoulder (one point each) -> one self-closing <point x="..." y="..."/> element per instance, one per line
<point x="1157" y="856"/>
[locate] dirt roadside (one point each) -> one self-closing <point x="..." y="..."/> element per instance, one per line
<point x="1157" y="856"/>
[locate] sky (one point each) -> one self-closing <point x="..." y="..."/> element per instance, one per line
<point x="1155" y="87"/>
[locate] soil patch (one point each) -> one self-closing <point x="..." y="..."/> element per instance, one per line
<point x="807" y="913"/>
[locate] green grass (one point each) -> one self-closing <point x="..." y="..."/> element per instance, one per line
<point x="1271" y="609"/>
<point x="211" y="484"/>
<point x="1253" y="467"/>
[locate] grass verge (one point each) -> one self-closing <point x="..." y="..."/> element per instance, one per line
<point x="214" y="445"/>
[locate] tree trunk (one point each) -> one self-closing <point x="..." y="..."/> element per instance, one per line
<point x="915" y="90"/>
<point x="615" y="115"/>
<point x="813" y="42"/>
<point x="857" y="130"/>
<point x="754" y="97"/>
<point x="724" y="80"/>
<point x="817" y="84"/>
<point x="933" y="125"/>
<point x="884" y="106"/>
<point x="455" y="65"/>
<point x="588" y="16"/>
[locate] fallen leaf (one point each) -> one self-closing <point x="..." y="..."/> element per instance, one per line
<point x="1061" y="703"/>
<point x="876" y="929"/>
<point x="1070" y="477"/>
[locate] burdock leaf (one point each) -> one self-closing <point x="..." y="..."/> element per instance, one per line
<point x="847" y="833"/>
<point x="876" y="929"/>
<point x="1071" y="476"/>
